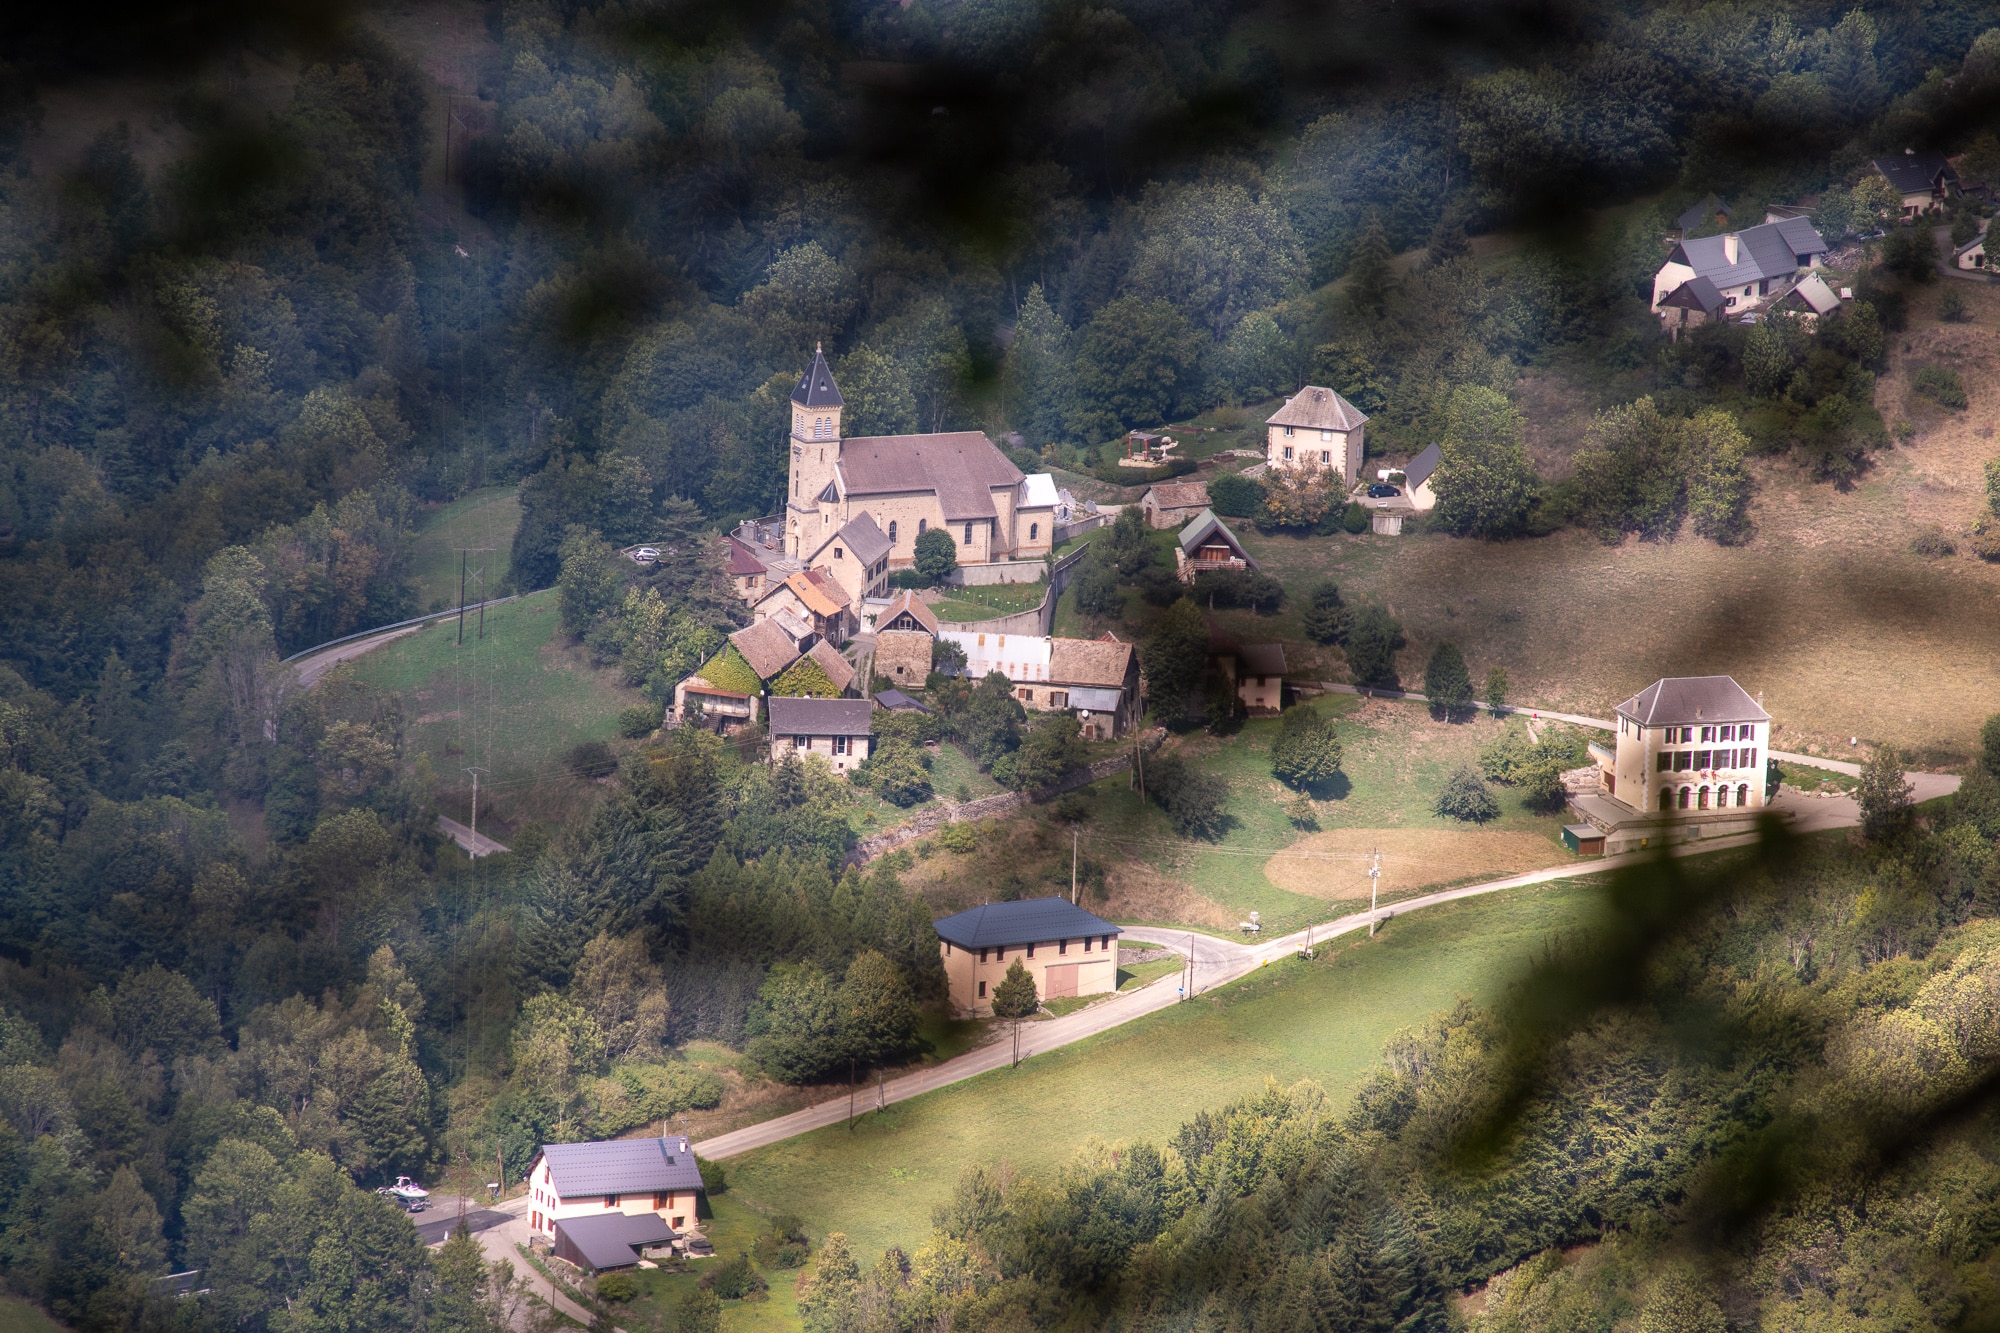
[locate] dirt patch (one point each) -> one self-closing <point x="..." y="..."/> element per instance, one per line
<point x="1334" y="864"/>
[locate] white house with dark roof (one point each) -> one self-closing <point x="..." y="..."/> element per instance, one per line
<point x="1067" y="950"/>
<point x="1418" y="476"/>
<point x="1689" y="761"/>
<point x="632" y="1178"/>
<point x="906" y="485"/>
<point x="1316" y="428"/>
<point x="1726" y="276"/>
<point x="1922" y="180"/>
<point x="838" y="731"/>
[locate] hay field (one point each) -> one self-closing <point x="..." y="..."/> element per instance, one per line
<point x="1333" y="864"/>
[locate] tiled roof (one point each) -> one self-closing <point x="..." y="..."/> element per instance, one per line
<point x="1422" y="466"/>
<point x="816" y="386"/>
<point x="898" y="702"/>
<point x="838" y="669"/>
<point x="1088" y="662"/>
<point x="908" y="603"/>
<point x="767" y="648"/>
<point x="961" y="468"/>
<point x="821" y="595"/>
<point x="1028" y="921"/>
<point x="1914" y="173"/>
<point x="1180" y="495"/>
<point x="821" y="717"/>
<point x="621" y="1166"/>
<point x="609" y="1241"/>
<point x="1679" y="700"/>
<point x="1262" y="659"/>
<point x="743" y="560"/>
<point x="1317" y="409"/>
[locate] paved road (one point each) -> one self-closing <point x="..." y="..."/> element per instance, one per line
<point x="477" y="844"/>
<point x="499" y="1241"/>
<point x="310" y="669"/>
<point x="1947" y="262"/>
<point x="435" y="1224"/>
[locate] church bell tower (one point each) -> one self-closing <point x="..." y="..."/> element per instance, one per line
<point x="816" y="405"/>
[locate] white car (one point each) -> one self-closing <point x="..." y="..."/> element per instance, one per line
<point x="645" y="555"/>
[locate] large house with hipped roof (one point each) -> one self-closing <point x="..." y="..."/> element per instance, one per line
<point x="1689" y="761"/>
<point x="904" y="485"/>
<point x="1067" y="950"/>
<point x="1096" y="679"/>
<point x="1316" y="429"/>
<point x="1923" y="181"/>
<point x="1709" y="278"/>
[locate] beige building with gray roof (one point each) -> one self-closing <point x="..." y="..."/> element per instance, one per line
<point x="1316" y="429"/>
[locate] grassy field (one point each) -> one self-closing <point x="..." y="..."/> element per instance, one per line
<point x="734" y="1230"/>
<point x="19" y="1316"/>
<point x="1325" y="1020"/>
<point x="984" y="603"/>
<point x="484" y="518"/>
<point x="511" y="703"/>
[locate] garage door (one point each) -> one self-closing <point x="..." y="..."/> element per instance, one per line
<point x="1061" y="981"/>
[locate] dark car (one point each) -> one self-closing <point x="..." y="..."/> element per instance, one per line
<point x="1382" y="490"/>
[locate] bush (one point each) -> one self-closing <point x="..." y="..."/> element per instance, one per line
<point x="735" y="1279"/>
<point x="1465" y="796"/>
<point x="1221" y="588"/>
<point x="1941" y="386"/>
<point x="1234" y="495"/>
<point x="1952" y="308"/>
<point x="1909" y="253"/>
<point x="591" y="760"/>
<point x="1326" y="617"/>
<point x="1373" y="638"/>
<point x="618" y="1288"/>
<point x="1307" y="751"/>
<point x="908" y="578"/>
<point x="1193" y="798"/>
<point x="1355" y="520"/>
<point x="639" y="720"/>
<point x="961" y="838"/>
<point x="1932" y="543"/>
<point x="714" y="1178"/>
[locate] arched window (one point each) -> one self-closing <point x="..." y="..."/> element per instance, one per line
<point x="1666" y="800"/>
<point x="1722" y="798"/>
<point x="1686" y="794"/>
<point x="922" y="524"/>
<point x="1034" y="531"/>
<point x="1743" y="794"/>
<point x="1701" y="799"/>
<point x="968" y="534"/>
<point x="892" y="532"/>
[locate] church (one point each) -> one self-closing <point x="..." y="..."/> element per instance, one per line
<point x="856" y="507"/>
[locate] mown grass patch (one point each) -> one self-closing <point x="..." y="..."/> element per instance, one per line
<point x="734" y="1230"/>
<point x="1325" y="1020"/>
<point x="486" y="517"/>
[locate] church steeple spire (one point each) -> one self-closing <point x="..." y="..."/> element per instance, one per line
<point x="816" y="386"/>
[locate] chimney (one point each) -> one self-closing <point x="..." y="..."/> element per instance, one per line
<point x="1730" y="249"/>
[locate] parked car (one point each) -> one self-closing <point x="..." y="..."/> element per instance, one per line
<point x="645" y="555"/>
<point x="1382" y="490"/>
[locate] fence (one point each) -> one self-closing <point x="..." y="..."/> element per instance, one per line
<point x="992" y="807"/>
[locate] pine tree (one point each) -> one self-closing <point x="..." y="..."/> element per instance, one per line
<point x="1371" y="273"/>
<point x="1448" y="684"/>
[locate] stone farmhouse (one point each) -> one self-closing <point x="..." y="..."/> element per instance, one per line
<point x="1067" y="950"/>
<point x="1735" y="274"/>
<point x="904" y="636"/>
<point x="1097" y="679"/>
<point x="899" y="487"/>
<point x="604" y="1204"/>
<point x="839" y="731"/>
<point x="1170" y="504"/>
<point x="1316" y="429"/>
<point x="1923" y="180"/>
<point x="1689" y="762"/>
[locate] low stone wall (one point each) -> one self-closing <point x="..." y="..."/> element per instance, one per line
<point x="1104" y="518"/>
<point x="997" y="571"/>
<point x="1037" y="620"/>
<point x="992" y="807"/>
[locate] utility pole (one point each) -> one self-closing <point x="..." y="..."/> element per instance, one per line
<point x="1190" y="965"/>
<point x="1072" y="865"/>
<point x="1374" y="889"/>
<point x="850" y="1094"/>
<point x="473" y="850"/>
<point x="461" y="594"/>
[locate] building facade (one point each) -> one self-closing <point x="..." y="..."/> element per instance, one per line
<point x="1723" y="277"/>
<point x="1316" y="429"/>
<point x="1067" y="950"/>
<point x="630" y="1176"/>
<point x="838" y="731"/>
<point x="1688" y="743"/>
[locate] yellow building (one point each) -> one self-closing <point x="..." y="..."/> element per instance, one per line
<point x="1067" y="950"/>
<point x="1319" y="430"/>
<point x="905" y="485"/>
<point x="1689" y="762"/>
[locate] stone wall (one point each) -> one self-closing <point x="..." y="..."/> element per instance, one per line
<point x="932" y="818"/>
<point x="1037" y="620"/>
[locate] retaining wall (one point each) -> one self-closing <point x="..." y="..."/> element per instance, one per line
<point x="1036" y="620"/>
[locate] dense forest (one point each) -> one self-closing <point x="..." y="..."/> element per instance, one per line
<point x="241" y="978"/>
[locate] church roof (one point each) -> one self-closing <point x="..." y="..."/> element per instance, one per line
<point x="816" y="386"/>
<point x="960" y="467"/>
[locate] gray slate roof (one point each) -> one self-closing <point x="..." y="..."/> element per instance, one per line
<point x="1262" y="659"/>
<point x="960" y="467"/>
<point x="816" y="386"/>
<point x="1697" y="293"/>
<point x="1682" y="700"/>
<point x="621" y="1166"/>
<point x="1702" y="213"/>
<point x="613" y="1240"/>
<point x="1768" y="250"/>
<point x="1422" y="466"/>
<point x="1029" y="921"/>
<point x="1914" y="173"/>
<point x="821" y="717"/>
<point x="898" y="702"/>
<point x="1317" y="408"/>
<point x="1204" y="525"/>
<point x="867" y="542"/>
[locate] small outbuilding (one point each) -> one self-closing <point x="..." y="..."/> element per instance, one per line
<point x="1419" y="475"/>
<point x="895" y="701"/>
<point x="1208" y="544"/>
<point x="1170" y="504"/>
<point x="1067" y="950"/>
<point x="1584" y="839"/>
<point x="611" y="1241"/>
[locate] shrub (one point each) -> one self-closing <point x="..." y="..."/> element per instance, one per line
<point x="1952" y="308"/>
<point x="714" y="1178"/>
<point x="961" y="838"/>
<point x="1233" y="495"/>
<point x="591" y="760"/>
<point x="1193" y="798"/>
<point x="1325" y="618"/>
<point x="1932" y="543"/>
<point x="639" y="720"/>
<point x="908" y="578"/>
<point x="1307" y="751"/>
<point x="1355" y="520"/>
<point x="1985" y="542"/>
<point x="1465" y="796"/>
<point x="735" y="1279"/>
<point x="1941" y="386"/>
<point x="1373" y="638"/>
<point x="618" y="1288"/>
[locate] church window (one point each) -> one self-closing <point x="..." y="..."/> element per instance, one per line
<point x="892" y="532"/>
<point x="968" y="534"/>
<point x="1034" y="531"/>
<point x="922" y="524"/>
